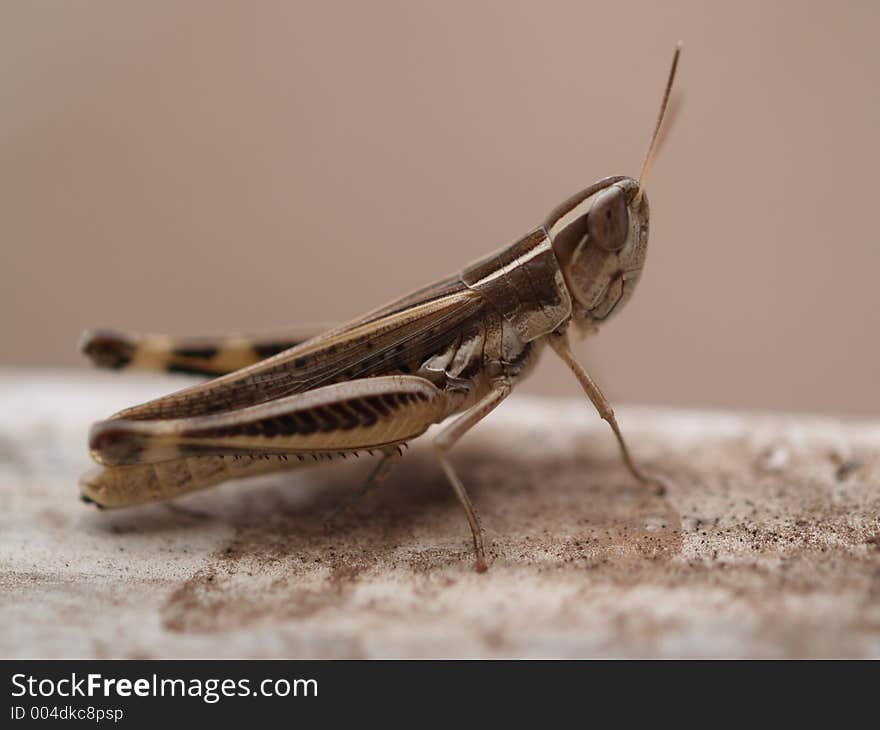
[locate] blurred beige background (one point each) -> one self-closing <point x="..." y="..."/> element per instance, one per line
<point x="197" y="167"/>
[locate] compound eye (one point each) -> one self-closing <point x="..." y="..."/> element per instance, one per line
<point x="608" y="220"/>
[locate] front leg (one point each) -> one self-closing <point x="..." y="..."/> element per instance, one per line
<point x="561" y="346"/>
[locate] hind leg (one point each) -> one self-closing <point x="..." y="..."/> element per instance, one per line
<point x="378" y="475"/>
<point x="211" y="356"/>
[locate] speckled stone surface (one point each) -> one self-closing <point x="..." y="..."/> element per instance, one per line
<point x="767" y="543"/>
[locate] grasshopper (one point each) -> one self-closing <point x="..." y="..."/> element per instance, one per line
<point x="454" y="348"/>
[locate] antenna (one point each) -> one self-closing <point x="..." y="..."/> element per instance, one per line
<point x="652" y="147"/>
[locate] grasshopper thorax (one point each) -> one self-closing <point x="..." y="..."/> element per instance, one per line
<point x="600" y="237"/>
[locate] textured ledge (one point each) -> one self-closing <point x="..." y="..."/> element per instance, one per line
<point x="768" y="543"/>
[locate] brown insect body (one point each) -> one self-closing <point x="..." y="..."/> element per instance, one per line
<point x="458" y="346"/>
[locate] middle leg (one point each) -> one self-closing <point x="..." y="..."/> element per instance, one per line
<point x="447" y="438"/>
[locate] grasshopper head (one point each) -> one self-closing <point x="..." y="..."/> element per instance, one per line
<point x="600" y="237"/>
